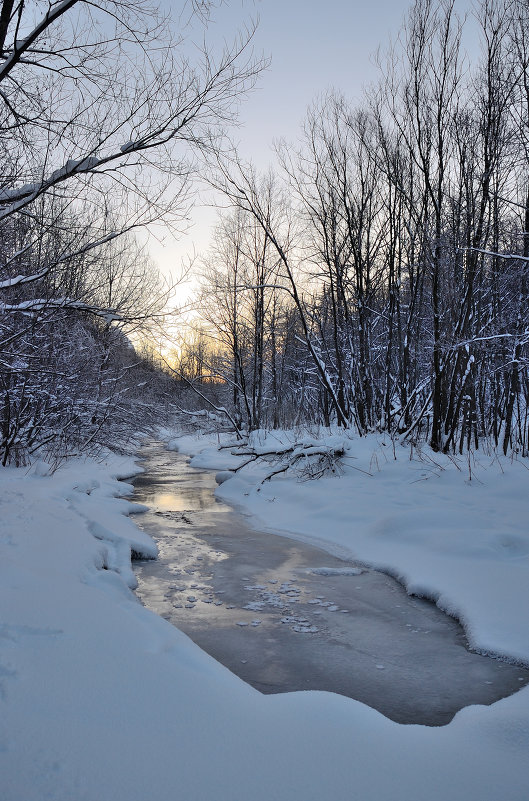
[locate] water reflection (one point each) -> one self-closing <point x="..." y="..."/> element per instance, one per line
<point x="256" y="603"/>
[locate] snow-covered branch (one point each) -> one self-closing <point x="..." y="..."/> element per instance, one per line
<point x="309" y="459"/>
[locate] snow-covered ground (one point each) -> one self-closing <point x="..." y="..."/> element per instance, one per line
<point x="100" y="699"/>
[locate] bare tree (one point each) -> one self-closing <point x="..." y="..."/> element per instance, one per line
<point x="104" y="113"/>
<point x="400" y="233"/>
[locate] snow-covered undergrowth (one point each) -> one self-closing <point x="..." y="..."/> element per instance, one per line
<point x="100" y="699"/>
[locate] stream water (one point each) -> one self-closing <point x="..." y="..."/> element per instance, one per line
<point x="286" y="616"/>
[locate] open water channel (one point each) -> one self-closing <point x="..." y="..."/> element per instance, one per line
<point x="286" y="616"/>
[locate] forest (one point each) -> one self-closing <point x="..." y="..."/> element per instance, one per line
<point x="376" y="280"/>
<point x="104" y="120"/>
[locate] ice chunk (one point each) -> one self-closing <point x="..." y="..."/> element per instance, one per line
<point x="336" y="571"/>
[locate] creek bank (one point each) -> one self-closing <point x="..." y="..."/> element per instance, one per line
<point x="285" y="616"/>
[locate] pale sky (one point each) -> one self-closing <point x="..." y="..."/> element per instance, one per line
<point x="313" y="46"/>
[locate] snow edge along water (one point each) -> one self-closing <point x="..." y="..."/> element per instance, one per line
<point x="462" y="544"/>
<point x="101" y="700"/>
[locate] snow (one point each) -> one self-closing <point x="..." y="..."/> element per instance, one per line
<point x="73" y="166"/>
<point x="17" y="197"/>
<point x="22" y="279"/>
<point x="100" y="699"/>
<point x="336" y="571"/>
<point x="21" y="191"/>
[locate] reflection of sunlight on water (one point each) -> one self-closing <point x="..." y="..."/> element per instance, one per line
<point x="192" y="500"/>
<point x="174" y="503"/>
<point x="176" y="487"/>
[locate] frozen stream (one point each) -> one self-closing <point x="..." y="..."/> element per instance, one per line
<point x="286" y="616"/>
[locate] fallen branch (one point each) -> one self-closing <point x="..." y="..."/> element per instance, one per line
<point x="316" y="459"/>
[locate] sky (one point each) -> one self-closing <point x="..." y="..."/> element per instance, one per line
<point x="313" y="46"/>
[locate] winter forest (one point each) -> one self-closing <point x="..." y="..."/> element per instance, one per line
<point x="263" y="501"/>
<point x="377" y="279"/>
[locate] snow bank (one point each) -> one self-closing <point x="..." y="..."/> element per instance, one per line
<point x="101" y="700"/>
